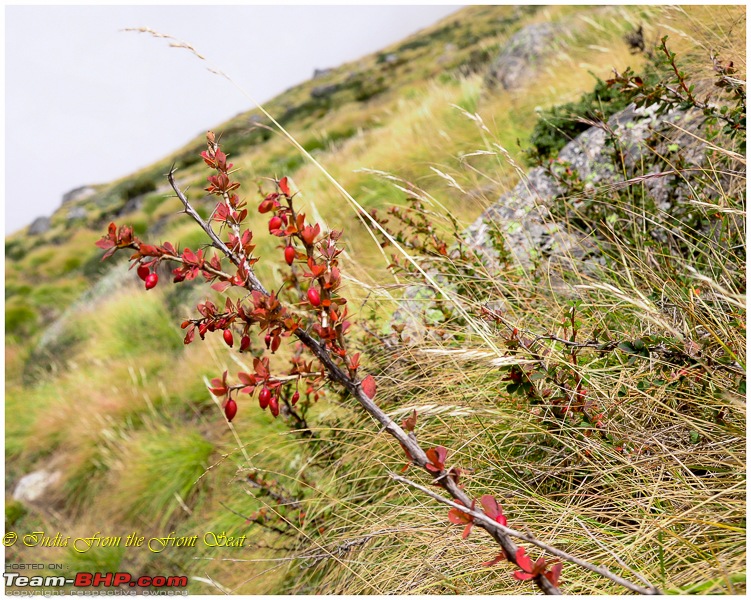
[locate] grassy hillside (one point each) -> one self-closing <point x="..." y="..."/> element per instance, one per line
<point x="101" y="388"/>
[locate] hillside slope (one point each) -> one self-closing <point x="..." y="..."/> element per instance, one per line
<point x="103" y="396"/>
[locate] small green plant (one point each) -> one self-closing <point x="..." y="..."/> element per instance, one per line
<point x="561" y="124"/>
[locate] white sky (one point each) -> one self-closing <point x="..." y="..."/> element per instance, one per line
<point x="86" y="103"/>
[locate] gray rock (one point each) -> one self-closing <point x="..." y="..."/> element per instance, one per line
<point x="324" y="91"/>
<point x="131" y="205"/>
<point x="40" y="225"/>
<point x="522" y="219"/>
<point x="33" y="486"/>
<point x="318" y="73"/>
<point x="521" y="55"/>
<point x="79" y="193"/>
<point x="77" y="212"/>
<point x="522" y="216"/>
<point x="416" y="307"/>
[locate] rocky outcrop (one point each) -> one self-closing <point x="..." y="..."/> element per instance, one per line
<point x="523" y="220"/>
<point x="79" y="193"/>
<point x="77" y="212"/>
<point x="521" y="55"/>
<point x="132" y="205"/>
<point x="318" y="73"/>
<point x="523" y="216"/>
<point x="39" y="226"/>
<point x="31" y="488"/>
<point x="324" y="91"/>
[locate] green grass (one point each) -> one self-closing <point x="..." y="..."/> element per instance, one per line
<point x="125" y="328"/>
<point x="157" y="472"/>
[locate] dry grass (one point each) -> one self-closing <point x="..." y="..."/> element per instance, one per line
<point x="661" y="486"/>
<point x="659" y="490"/>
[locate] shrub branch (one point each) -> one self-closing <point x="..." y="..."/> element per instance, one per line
<point x="496" y="530"/>
<point x="418" y="456"/>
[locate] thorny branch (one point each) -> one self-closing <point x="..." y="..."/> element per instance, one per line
<point x="609" y="346"/>
<point x="346" y="546"/>
<point x="274" y="528"/>
<point x="253" y="283"/>
<point x="494" y="528"/>
<point x="409" y="442"/>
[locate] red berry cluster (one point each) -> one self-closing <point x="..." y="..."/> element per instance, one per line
<point x="313" y="260"/>
<point x="323" y="310"/>
<point x="320" y="254"/>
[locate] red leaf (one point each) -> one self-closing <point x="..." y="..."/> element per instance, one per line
<point x="492" y="509"/>
<point x="246" y="379"/>
<point x="104" y="243"/>
<point x="309" y="233"/>
<point x="369" y="386"/>
<point x="437" y="458"/>
<point x="455" y="473"/>
<point x="494" y="561"/>
<point x="409" y="423"/>
<point x="220" y="286"/>
<point x="261" y="368"/>
<point x="189" y="257"/>
<point x="109" y="253"/>
<point x="539" y="566"/>
<point x="458" y="517"/>
<point x="284" y="186"/>
<point x="554" y="574"/>
<point x="524" y="561"/>
<point x="409" y="457"/>
<point x="148" y="250"/>
<point x="522" y="576"/>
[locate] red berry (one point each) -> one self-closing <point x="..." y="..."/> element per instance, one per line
<point x="314" y="296"/>
<point x="274" y="223"/>
<point x="151" y="280"/>
<point x="230" y="409"/>
<point x="244" y="343"/>
<point x="263" y="397"/>
<point x="143" y="272"/>
<point x="267" y="340"/>
<point x="289" y="255"/>
<point x="274" y="406"/>
<point x="295" y="398"/>
<point x="229" y="340"/>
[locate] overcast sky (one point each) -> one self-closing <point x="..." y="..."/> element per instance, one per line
<point x="87" y="103"/>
